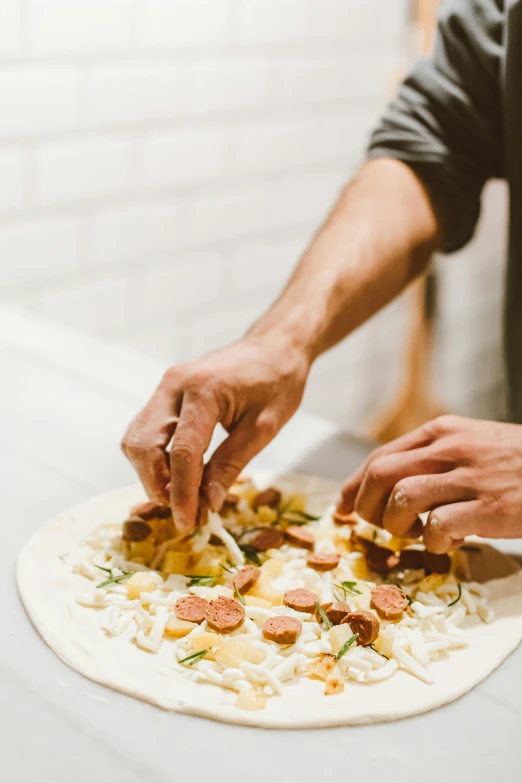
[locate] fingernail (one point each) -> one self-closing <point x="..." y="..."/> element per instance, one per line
<point x="216" y="494"/>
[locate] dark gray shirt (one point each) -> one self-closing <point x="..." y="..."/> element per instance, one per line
<point x="457" y="120"/>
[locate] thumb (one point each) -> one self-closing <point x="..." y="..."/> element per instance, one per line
<point x="249" y="437"/>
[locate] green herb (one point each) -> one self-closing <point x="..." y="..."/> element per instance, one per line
<point x="62" y="557"/>
<point x="107" y="570"/>
<point x="227" y="569"/>
<point x="114" y="580"/>
<point x="239" y="596"/>
<point x="323" y="615"/>
<point x="346" y="646"/>
<point x="200" y="581"/>
<point x="348" y="587"/>
<point x="374" y="535"/>
<point x="457" y="599"/>
<point x="377" y="651"/>
<point x="282" y="510"/>
<point x="194" y="532"/>
<point x="194" y="658"/>
<point x="251" y="553"/>
<point x="302" y="517"/>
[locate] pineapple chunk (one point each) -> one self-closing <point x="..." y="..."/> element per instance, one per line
<point x="254" y="699"/>
<point x="322" y="667"/>
<point x="141" y="582"/>
<point x="338" y="635"/>
<point x="209" y="563"/>
<point x="359" y="568"/>
<point x="273" y="567"/>
<point x="334" y="684"/>
<point x="143" y="551"/>
<point x="263" y="589"/>
<point x="252" y="600"/>
<point x="176" y="629"/>
<point x="234" y="650"/>
<point x="431" y="582"/>
<point x="178" y="562"/>
<point x="266" y="514"/>
<point x="384" y="643"/>
<point x="206" y="641"/>
<point x="298" y="503"/>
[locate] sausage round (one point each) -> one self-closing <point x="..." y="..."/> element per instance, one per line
<point x="437" y="564"/>
<point x="323" y="561"/>
<point x="150" y="510"/>
<point x="191" y="608"/>
<point x="299" y="537"/>
<point x="301" y="600"/>
<point x="230" y="502"/>
<point x="411" y="558"/>
<point x="283" y="630"/>
<point x="365" y="624"/>
<point x="269" y="497"/>
<point x="246" y="578"/>
<point x="342" y="519"/>
<point x="337" y="611"/>
<point x="224" y="614"/>
<point x="270" y="538"/>
<point x="389" y="601"/>
<point x="379" y="558"/>
<point x="135" y="530"/>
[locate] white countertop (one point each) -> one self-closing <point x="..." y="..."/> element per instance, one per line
<point x="65" y="400"/>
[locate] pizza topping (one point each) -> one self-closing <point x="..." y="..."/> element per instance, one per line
<point x="246" y="578"/>
<point x="301" y="600"/>
<point x="135" y="529"/>
<point x="299" y="537"/>
<point x="224" y="614"/>
<point x="270" y="538"/>
<point x="343" y="519"/>
<point x="269" y="497"/>
<point x="437" y="564"/>
<point x="389" y="601"/>
<point x="191" y="608"/>
<point x="150" y="510"/>
<point x="337" y="611"/>
<point x="363" y="623"/>
<point x="411" y="558"/>
<point x="380" y="559"/>
<point x="323" y="561"/>
<point x="283" y="630"/>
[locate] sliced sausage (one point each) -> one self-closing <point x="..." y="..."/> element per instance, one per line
<point x="379" y="558"/>
<point x="230" y="502"/>
<point x="301" y="600"/>
<point x="269" y="497"/>
<point x="224" y="614"/>
<point x="299" y="537"/>
<point x="365" y="624"/>
<point x="323" y="561"/>
<point x="411" y="558"/>
<point x="389" y="601"/>
<point x="136" y="530"/>
<point x="150" y="510"/>
<point x="283" y="630"/>
<point x="437" y="564"/>
<point x="343" y="519"/>
<point x="191" y="608"/>
<point x="270" y="538"/>
<point x="246" y="578"/>
<point x="337" y="611"/>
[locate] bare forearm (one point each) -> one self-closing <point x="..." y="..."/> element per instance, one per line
<point x="378" y="237"/>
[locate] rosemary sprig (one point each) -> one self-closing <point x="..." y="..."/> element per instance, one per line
<point x="346" y="646"/>
<point x="347" y="587"/>
<point x="114" y="580"/>
<point x="323" y="615"/>
<point x="102" y="568"/>
<point x="63" y="556"/>
<point x="457" y="599"/>
<point x="194" y="658"/>
<point x="200" y="581"/>
<point x="251" y="553"/>
<point x="302" y="517"/>
<point x="377" y="651"/>
<point x="239" y="596"/>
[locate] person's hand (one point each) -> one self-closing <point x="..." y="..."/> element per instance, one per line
<point x="252" y="388"/>
<point x="466" y="473"/>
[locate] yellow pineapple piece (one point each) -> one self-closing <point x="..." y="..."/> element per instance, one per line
<point x="254" y="699"/>
<point x="142" y="551"/>
<point x="323" y="666"/>
<point x="252" y="600"/>
<point x="178" y="562"/>
<point x="206" y="641"/>
<point x="334" y="684"/>
<point x="266" y="514"/>
<point x="431" y="582"/>
<point x="177" y="629"/>
<point x="273" y="567"/>
<point x="360" y="569"/>
<point x="234" y="650"/>
<point x="141" y="582"/>
<point x="263" y="589"/>
<point x="338" y="635"/>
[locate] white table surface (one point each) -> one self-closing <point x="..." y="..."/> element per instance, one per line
<point x="65" y="400"/>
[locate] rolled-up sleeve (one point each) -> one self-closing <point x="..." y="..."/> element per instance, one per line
<point x="446" y="121"/>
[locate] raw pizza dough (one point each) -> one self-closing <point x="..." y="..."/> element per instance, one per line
<point x="48" y="590"/>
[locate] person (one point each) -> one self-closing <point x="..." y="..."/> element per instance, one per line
<point x="455" y="123"/>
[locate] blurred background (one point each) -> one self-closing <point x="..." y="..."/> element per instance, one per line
<point x="163" y="163"/>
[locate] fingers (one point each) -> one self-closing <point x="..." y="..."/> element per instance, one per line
<point x="447" y="526"/>
<point x="412" y="440"/>
<point x="145" y="443"/>
<point x="417" y="494"/>
<point x="383" y="474"/>
<point x="196" y="424"/>
<point x="250" y="436"/>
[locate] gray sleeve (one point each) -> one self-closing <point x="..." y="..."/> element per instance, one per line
<point x="446" y="121"/>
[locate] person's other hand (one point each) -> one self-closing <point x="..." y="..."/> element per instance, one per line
<point x="467" y="473"/>
<point x="252" y="388"/>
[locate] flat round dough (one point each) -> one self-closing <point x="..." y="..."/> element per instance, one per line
<point x="48" y="590"/>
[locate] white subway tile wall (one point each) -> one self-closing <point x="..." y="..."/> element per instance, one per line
<point x="163" y="163"/>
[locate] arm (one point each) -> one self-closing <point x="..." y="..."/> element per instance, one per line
<point x="378" y="237"/>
